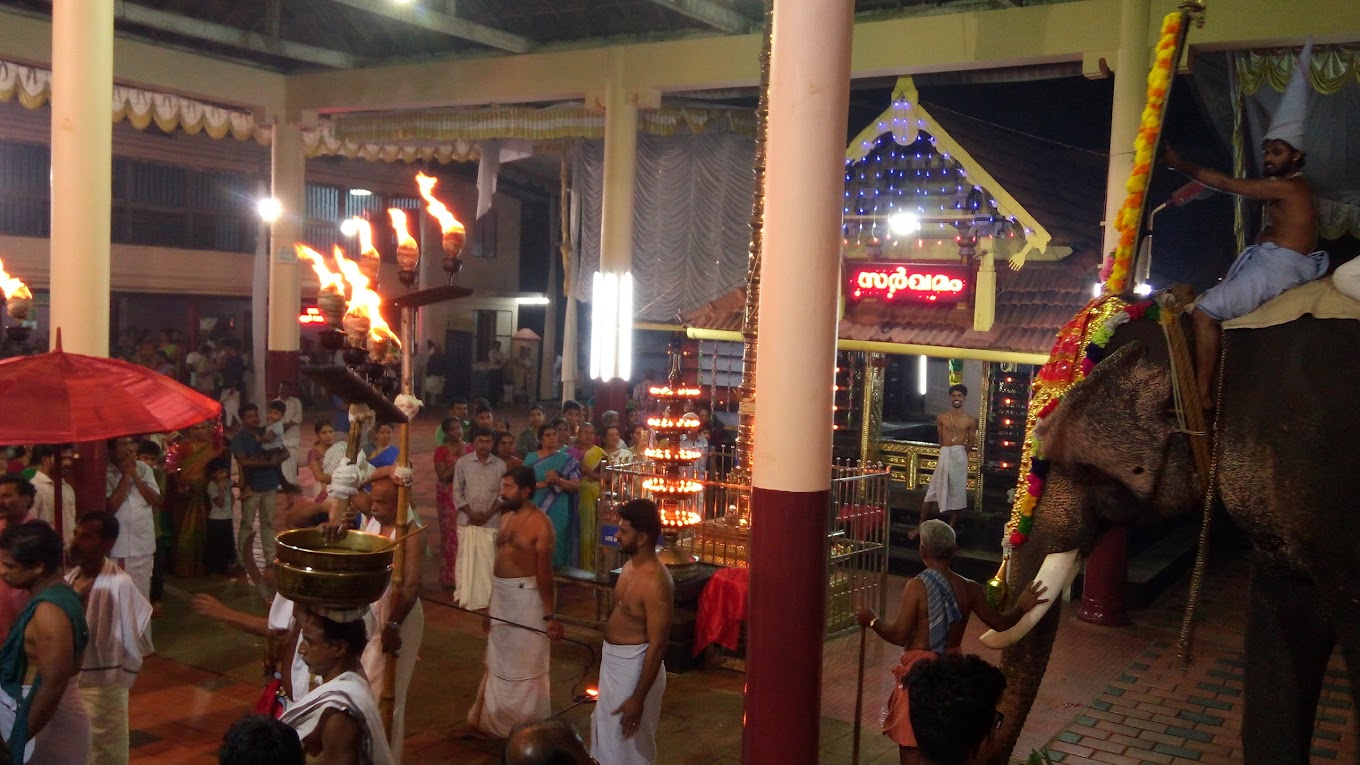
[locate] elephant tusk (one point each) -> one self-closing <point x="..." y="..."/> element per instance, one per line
<point x="1056" y="573"/>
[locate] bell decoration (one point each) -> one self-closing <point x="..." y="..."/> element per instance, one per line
<point x="996" y="588"/>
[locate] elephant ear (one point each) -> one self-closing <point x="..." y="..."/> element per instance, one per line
<point x="1123" y="397"/>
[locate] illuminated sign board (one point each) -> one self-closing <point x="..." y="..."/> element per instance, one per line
<point x="907" y="282"/>
<point x="311" y="315"/>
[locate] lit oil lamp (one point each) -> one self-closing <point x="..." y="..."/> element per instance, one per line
<point x="453" y="233"/>
<point x="408" y="250"/>
<point x="18" y="304"/>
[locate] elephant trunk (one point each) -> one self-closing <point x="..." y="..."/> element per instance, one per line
<point x="1024" y="661"/>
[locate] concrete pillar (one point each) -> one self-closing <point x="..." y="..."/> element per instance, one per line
<point x="288" y="186"/>
<point x="82" y="173"/>
<point x="1107" y="568"/>
<point x="1130" y="93"/>
<point x="259" y="303"/>
<point x="795" y="372"/>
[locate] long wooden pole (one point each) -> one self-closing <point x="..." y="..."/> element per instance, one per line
<point x="387" y="704"/>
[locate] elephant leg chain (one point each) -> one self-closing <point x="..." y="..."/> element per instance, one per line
<point x="1202" y="553"/>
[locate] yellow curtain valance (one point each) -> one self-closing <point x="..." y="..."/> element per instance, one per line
<point x="1332" y="67"/>
<point x="322" y="142"/>
<point x="33" y="87"/>
<point x="554" y="123"/>
<point x="1337" y="219"/>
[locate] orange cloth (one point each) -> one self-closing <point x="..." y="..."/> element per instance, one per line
<point x="897" y="725"/>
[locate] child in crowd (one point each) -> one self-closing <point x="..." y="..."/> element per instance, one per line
<point x="231" y="407"/>
<point x="219" y="553"/>
<point x="699" y="443"/>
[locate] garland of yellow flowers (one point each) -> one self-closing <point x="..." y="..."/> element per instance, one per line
<point x="1115" y="270"/>
<point x="1080" y="344"/>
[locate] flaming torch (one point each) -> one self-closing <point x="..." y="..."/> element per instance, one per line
<point x="454" y="234"/>
<point x="363" y="322"/>
<point x="370" y="262"/>
<point x="408" y="251"/>
<point x="330" y="299"/>
<point x="18" y="303"/>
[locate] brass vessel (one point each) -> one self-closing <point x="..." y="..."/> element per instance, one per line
<point x="346" y="573"/>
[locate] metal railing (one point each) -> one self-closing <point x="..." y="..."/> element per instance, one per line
<point x="857" y="525"/>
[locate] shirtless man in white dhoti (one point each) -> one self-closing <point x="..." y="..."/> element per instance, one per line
<point x="632" y="669"/>
<point x="948" y="489"/>
<point x="118" y="617"/>
<point x="514" y="689"/>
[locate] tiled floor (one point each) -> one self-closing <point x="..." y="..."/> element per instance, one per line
<point x="1110" y="695"/>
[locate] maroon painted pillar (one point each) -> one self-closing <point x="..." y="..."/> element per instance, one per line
<point x="1107" y="573"/>
<point x="612" y="395"/>
<point x="87" y="477"/>
<point x="795" y="377"/>
<point x="282" y="366"/>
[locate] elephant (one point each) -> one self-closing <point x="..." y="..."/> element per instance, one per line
<point x="1288" y="473"/>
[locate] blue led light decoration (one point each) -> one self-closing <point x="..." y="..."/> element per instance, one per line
<point x="914" y="178"/>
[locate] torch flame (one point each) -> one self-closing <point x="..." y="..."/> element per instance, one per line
<point x="404" y="238"/>
<point x="365" y="232"/>
<point x="330" y="280"/>
<point x="12" y="287"/>
<point x="447" y="222"/>
<point x="364" y="301"/>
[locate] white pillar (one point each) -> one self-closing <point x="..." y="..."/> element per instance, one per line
<point x="82" y="172"/>
<point x="795" y="372"/>
<point x="288" y="187"/>
<point x="1130" y="90"/>
<point x="611" y="324"/>
<point x="259" y="300"/>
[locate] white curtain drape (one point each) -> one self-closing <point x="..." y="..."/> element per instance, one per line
<point x="691" y="220"/>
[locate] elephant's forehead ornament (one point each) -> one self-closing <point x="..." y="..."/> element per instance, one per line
<point x="1080" y="346"/>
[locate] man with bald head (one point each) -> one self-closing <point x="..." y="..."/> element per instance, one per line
<point x="550" y="742"/>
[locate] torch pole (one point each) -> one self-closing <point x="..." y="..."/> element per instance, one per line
<point x="387" y="703"/>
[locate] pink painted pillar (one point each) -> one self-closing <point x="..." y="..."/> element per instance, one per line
<point x="795" y="371"/>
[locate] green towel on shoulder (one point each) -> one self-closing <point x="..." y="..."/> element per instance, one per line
<point x="14" y="662"/>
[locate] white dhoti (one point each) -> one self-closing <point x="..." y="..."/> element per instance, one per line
<point x="66" y="738"/>
<point x="949" y="483"/>
<point x="375" y="661"/>
<point x="347" y="693"/>
<point x="514" y="688"/>
<point x="1347" y="278"/>
<point x="107" y="707"/>
<point x="476" y="558"/>
<point x="620" y="669"/>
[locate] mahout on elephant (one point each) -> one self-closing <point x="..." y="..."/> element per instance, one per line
<point x="1288" y="472"/>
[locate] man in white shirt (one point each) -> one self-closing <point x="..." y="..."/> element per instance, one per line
<point x="130" y="487"/>
<point x="44" y="460"/>
<point x="476" y="494"/>
<point x="118" y="617"/>
<point x="292" y="432"/>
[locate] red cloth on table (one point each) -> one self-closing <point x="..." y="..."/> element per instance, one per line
<point x="722" y="609"/>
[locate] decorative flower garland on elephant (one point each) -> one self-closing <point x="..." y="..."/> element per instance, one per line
<point x="1111" y="451"/>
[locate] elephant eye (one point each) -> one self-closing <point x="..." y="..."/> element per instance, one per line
<point x="1138" y="470"/>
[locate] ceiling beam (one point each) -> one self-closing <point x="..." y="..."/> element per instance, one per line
<point x="445" y="24"/>
<point x="710" y="13"/>
<point x="232" y="36"/>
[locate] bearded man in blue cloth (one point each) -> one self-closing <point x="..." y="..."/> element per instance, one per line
<point x="1289" y="227"/>
<point x="42" y="718"/>
<point x="931" y="621"/>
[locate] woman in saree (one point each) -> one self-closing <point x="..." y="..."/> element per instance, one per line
<point x="325" y="438"/>
<point x="591" y="458"/>
<point x="505" y="449"/>
<point x="194" y="453"/>
<point x="557" y="477"/>
<point x="384" y="452"/>
<point x="446" y="455"/>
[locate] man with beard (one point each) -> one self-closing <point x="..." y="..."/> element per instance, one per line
<point x="632" y="672"/>
<point x="514" y="689"/>
<point x="948" y="489"/>
<point x="1277" y="261"/>
<point x="118" y="617"/>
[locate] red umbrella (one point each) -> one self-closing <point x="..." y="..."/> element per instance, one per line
<point x="59" y="397"/>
